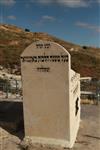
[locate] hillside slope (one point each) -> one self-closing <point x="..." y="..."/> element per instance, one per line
<point x="13" y="40"/>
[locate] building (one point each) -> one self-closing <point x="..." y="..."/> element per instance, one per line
<point x="51" y="94"/>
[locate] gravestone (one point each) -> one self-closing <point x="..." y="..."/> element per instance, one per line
<point x="51" y="94"/>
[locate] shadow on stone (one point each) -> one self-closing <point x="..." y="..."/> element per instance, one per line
<point x="11" y="118"/>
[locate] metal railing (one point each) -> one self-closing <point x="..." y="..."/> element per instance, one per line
<point x="10" y="89"/>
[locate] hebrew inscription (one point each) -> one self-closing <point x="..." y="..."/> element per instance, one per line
<point x="45" y="58"/>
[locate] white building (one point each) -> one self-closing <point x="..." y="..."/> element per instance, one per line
<point x="51" y="94"/>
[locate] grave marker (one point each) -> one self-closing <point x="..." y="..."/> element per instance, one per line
<point x="51" y="94"/>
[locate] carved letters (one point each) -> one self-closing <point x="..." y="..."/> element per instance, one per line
<point x="45" y="58"/>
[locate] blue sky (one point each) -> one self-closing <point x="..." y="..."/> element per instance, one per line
<point x="76" y="21"/>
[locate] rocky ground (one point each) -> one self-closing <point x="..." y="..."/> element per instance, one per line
<point x="88" y="136"/>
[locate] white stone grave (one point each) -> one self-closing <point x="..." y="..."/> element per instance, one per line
<point x="51" y="94"/>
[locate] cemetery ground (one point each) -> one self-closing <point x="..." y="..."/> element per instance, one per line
<point x="12" y="128"/>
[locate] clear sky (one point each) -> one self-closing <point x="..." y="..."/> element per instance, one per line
<point x="77" y="21"/>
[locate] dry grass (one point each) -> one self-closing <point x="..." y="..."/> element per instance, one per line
<point x="14" y="40"/>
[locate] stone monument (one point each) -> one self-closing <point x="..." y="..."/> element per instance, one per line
<point x="51" y="94"/>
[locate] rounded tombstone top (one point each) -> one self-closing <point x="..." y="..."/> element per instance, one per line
<point x="40" y="47"/>
<point x="45" y="52"/>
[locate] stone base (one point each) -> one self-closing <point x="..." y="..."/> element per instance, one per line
<point x="47" y="142"/>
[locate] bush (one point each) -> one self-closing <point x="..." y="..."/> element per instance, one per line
<point x="84" y="47"/>
<point x="27" y="30"/>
